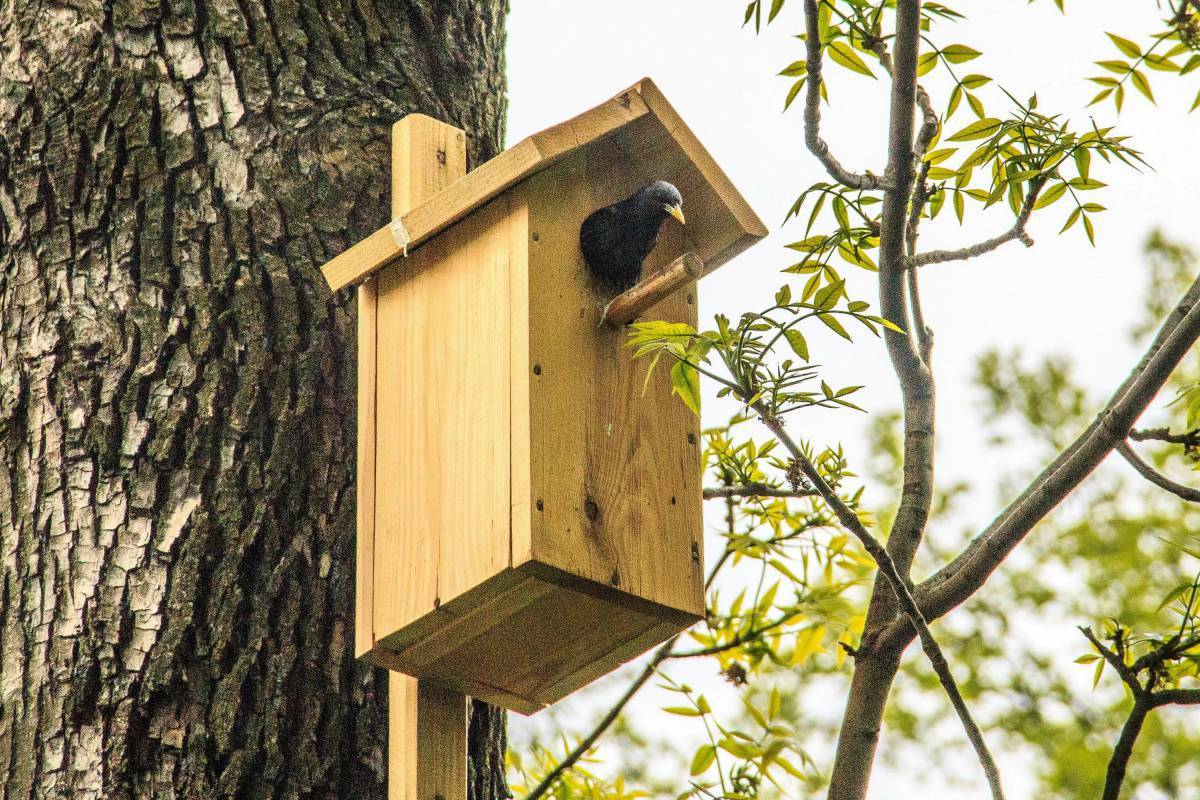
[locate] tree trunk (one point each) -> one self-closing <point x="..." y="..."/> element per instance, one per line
<point x="177" y="411"/>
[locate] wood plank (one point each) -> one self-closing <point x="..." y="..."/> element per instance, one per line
<point x="733" y="228"/>
<point x="427" y="741"/>
<point x="427" y="738"/>
<point x="364" y="565"/>
<point x="482" y="185"/>
<point x="654" y="635"/>
<point x="442" y="523"/>
<point x="617" y="470"/>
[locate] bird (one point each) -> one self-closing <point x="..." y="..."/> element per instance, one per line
<point x="616" y="239"/>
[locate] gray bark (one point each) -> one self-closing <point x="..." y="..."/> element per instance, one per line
<point x="177" y="413"/>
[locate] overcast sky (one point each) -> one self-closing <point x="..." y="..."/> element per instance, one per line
<point x="1061" y="296"/>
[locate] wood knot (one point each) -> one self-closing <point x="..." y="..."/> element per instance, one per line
<point x="696" y="552"/>
<point x="591" y="509"/>
<point x="441" y="157"/>
<point x="624" y="100"/>
<point x="615" y="580"/>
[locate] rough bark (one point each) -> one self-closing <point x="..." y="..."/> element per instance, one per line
<point x="177" y="383"/>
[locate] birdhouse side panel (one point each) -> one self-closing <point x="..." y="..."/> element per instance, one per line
<point x="443" y="420"/>
<point x="614" y="470"/>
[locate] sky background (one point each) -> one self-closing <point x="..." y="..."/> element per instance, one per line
<point x="1062" y="296"/>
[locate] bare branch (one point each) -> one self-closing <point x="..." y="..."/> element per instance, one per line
<point x="1157" y="478"/>
<point x="1176" y="697"/>
<point x="581" y="749"/>
<point x="1017" y="231"/>
<point x="1119" y="760"/>
<point x="755" y="490"/>
<point x="1189" y="439"/>
<point x="812" y="111"/>
<point x="900" y="586"/>
<point x="964" y="576"/>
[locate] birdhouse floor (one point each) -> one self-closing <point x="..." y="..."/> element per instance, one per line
<point x="538" y="632"/>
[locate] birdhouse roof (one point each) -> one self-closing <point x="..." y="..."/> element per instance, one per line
<point x="659" y="145"/>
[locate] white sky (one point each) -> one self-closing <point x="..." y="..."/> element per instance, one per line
<point x="1061" y="296"/>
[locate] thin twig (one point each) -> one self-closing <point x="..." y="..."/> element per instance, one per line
<point x="755" y="490"/>
<point x="1157" y="478"/>
<point x="1017" y="231"/>
<point x="1115" y="661"/>
<point x="581" y="749"/>
<point x="812" y="111"/>
<point x="900" y="586"/>
<point x="1189" y="439"/>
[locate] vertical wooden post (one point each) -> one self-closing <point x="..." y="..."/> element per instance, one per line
<point x="427" y="724"/>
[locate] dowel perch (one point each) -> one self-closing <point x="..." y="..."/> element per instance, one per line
<point x="627" y="306"/>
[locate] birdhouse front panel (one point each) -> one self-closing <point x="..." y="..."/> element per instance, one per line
<point x="614" y="459"/>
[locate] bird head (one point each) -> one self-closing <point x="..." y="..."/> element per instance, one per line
<point x="663" y="199"/>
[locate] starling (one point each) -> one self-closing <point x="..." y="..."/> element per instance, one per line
<point x="617" y="238"/>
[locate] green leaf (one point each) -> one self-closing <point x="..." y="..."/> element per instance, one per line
<point x="975" y="81"/>
<point x="1050" y="195"/>
<point x="1141" y="83"/>
<point x="795" y="90"/>
<point x="832" y="323"/>
<point x="1195" y="104"/>
<point x="1125" y="46"/>
<point x="776" y="5"/>
<point x="958" y="53"/>
<point x="703" y="759"/>
<point x="925" y="63"/>
<point x="685" y="382"/>
<point x="795" y="69"/>
<point x="682" y="711"/>
<point x="843" y="54"/>
<point x="796" y="340"/>
<point x="980" y="129"/>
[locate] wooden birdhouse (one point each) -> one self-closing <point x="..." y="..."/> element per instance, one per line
<point x="529" y="516"/>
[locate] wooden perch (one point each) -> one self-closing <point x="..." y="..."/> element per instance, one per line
<point x="627" y="306"/>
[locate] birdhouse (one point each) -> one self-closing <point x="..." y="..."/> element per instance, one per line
<point x="529" y="511"/>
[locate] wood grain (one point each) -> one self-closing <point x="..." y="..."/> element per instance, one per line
<point x="631" y="304"/>
<point x="443" y="521"/>
<point x="427" y="741"/>
<point x="616" y="470"/>
<point x="364" y="565"/>
<point x="667" y="143"/>
<point x="427" y="155"/>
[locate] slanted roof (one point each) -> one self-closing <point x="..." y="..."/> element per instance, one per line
<point x="659" y="144"/>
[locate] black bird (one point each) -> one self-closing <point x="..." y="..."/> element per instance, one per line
<point x="616" y="239"/>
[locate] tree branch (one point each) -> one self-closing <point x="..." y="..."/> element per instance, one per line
<point x="812" y="110"/>
<point x="1128" y="675"/>
<point x="1157" y="478"/>
<point x="1017" y="231"/>
<point x="958" y="580"/>
<point x="1119" y="760"/>
<point x="900" y="586"/>
<point x="581" y="749"/>
<point x="1189" y="439"/>
<point x="755" y="490"/>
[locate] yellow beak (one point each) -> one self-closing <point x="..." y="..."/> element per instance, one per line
<point x="677" y="213"/>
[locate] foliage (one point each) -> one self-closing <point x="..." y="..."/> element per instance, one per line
<point x="787" y="596"/>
